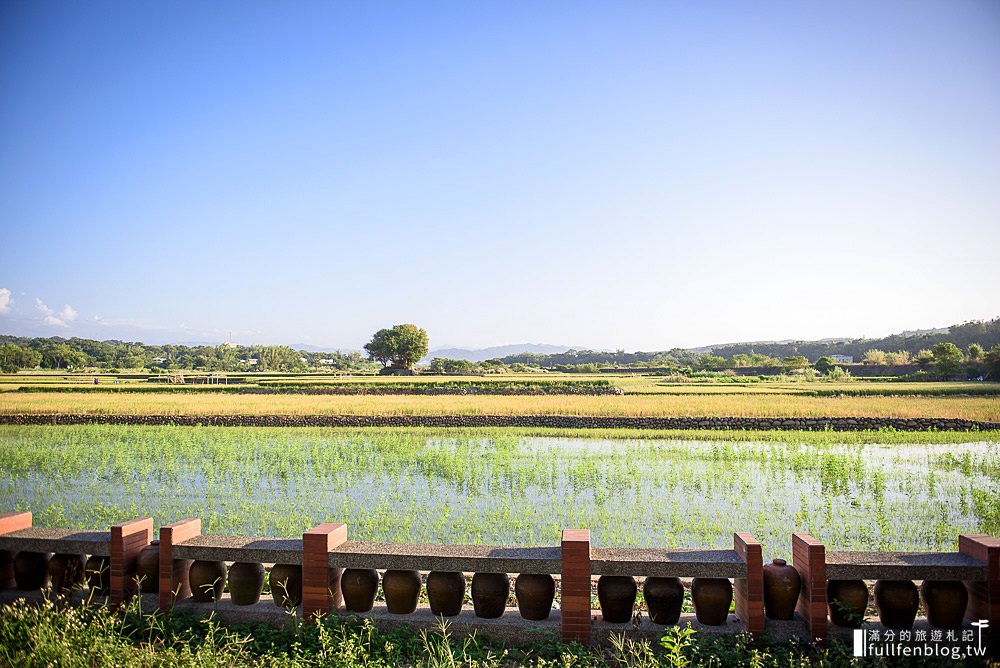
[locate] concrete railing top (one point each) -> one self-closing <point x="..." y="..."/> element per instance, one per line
<point x="903" y="566"/>
<point x="65" y="541"/>
<point x="667" y="563"/>
<point x="240" y="548"/>
<point x="443" y="557"/>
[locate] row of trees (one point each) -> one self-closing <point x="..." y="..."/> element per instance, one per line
<point x="74" y="354"/>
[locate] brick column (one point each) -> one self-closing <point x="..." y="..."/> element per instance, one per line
<point x="174" y="584"/>
<point x="9" y="523"/>
<point x="575" y="589"/>
<point x="127" y="540"/>
<point x="984" y="597"/>
<point x="320" y="583"/>
<point x="749" y="591"/>
<point x="809" y="559"/>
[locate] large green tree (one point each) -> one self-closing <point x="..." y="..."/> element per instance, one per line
<point x="14" y="357"/>
<point x="399" y="347"/>
<point x="947" y="358"/>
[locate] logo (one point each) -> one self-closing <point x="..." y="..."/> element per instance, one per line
<point x="955" y="644"/>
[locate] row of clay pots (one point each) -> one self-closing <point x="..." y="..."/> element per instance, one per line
<point x="30" y="571"/>
<point x="246" y="582"/>
<point x="446" y="592"/>
<point x="897" y="602"/>
<point x="664" y="598"/>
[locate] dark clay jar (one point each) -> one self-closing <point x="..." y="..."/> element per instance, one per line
<point x="712" y="598"/>
<point x="445" y="592"/>
<point x="489" y="594"/>
<point x="207" y="580"/>
<point x="946" y="601"/>
<point x="847" y="600"/>
<point x="98" y="573"/>
<point x="534" y="593"/>
<point x="286" y="585"/>
<point x="7" y="570"/>
<point x="246" y="581"/>
<point x="616" y="594"/>
<point x="359" y="586"/>
<point x="66" y="572"/>
<point x="402" y="591"/>
<point x="897" y="602"/>
<point x="31" y="570"/>
<point x="147" y="568"/>
<point x="664" y="598"/>
<point x="782" y="585"/>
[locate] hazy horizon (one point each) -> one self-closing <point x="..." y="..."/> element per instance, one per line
<point x="634" y="176"/>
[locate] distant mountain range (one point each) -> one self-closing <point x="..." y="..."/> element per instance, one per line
<point x="482" y="354"/>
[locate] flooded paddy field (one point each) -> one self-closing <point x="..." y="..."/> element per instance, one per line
<point x="877" y="491"/>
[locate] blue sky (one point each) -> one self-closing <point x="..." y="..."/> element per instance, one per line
<point x="637" y="175"/>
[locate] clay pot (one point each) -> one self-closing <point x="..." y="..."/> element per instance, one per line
<point x="847" y="600"/>
<point x="664" y="598"/>
<point x="489" y="594"/>
<point x="286" y="585"/>
<point x="31" y="570"/>
<point x="207" y="580"/>
<point x="712" y="598"/>
<point x="782" y="585"/>
<point x="616" y="594"/>
<point x="7" y="570"/>
<point x="535" y="593"/>
<point x="147" y="568"/>
<point x="359" y="586"/>
<point x="946" y="601"/>
<point x="246" y="581"/>
<point x="446" y="592"/>
<point x="98" y="573"/>
<point x="66" y="572"/>
<point x="897" y="602"/>
<point x="401" y="590"/>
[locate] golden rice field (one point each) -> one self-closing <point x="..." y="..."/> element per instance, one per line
<point x="985" y="408"/>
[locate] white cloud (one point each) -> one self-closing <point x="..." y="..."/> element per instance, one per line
<point x="5" y="300"/>
<point x="55" y="318"/>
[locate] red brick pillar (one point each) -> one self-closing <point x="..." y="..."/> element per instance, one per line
<point x="320" y="583"/>
<point x="127" y="540"/>
<point x="984" y="596"/>
<point x="575" y="596"/>
<point x="9" y="523"/>
<point x="749" y="591"/>
<point x="809" y="559"/>
<point x="174" y="584"/>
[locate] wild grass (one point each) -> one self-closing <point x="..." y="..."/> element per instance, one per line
<point x="651" y="405"/>
<point x="853" y="491"/>
<point x="47" y="635"/>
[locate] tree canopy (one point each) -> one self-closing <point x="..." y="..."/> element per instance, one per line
<point x="399" y="347"/>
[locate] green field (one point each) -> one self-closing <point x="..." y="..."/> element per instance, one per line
<point x="853" y="491"/>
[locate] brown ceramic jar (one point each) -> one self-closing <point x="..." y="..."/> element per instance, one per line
<point x="616" y="594"/>
<point x="246" y="581"/>
<point x="535" y="593"/>
<point x="847" y="601"/>
<point x="664" y="599"/>
<point x="359" y="587"/>
<point x="445" y="592"/>
<point x="31" y="570"/>
<point x="286" y="585"/>
<point x="712" y="598"/>
<point x="897" y="602"/>
<point x="402" y="591"/>
<point x="66" y="572"/>
<point x="207" y="580"/>
<point x="147" y="568"/>
<point x="946" y="601"/>
<point x="782" y="585"/>
<point x="98" y="572"/>
<point x="489" y="594"/>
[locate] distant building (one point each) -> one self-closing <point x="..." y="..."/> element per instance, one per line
<point x="843" y="359"/>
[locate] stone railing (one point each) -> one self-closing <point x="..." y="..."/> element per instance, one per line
<point x="324" y="573"/>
